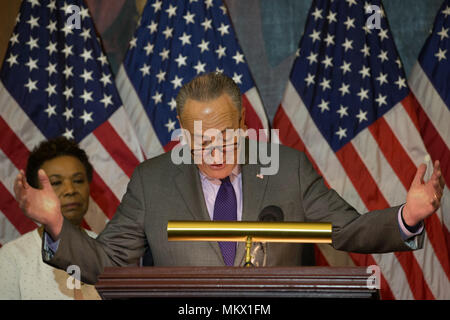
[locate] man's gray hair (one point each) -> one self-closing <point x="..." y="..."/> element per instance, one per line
<point x="207" y="87"/>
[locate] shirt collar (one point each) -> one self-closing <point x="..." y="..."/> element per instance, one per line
<point x="234" y="174"/>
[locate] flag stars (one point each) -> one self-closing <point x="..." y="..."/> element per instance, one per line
<point x="51" y="89"/>
<point x="349" y="23"/>
<point x="181" y="60"/>
<point x="189" y="17"/>
<point x="157" y="98"/>
<point x="203" y="46"/>
<point x="342" y="111"/>
<point x="157" y="5"/>
<point x="383" y="34"/>
<point x="200" y="67"/>
<point x="170" y="125"/>
<point x="325" y="84"/>
<point x="149" y="49"/>
<point x="446" y="12"/>
<point x="401" y="82"/>
<point x="207" y="24"/>
<point x="33" y="22"/>
<point x="365" y="72"/>
<point x="145" y="69"/>
<point x="177" y="82"/>
<point x="365" y="50"/>
<point x="86" y="96"/>
<point x="106" y="79"/>
<point x="32" y="43"/>
<point x="317" y="14"/>
<point x="12" y="60"/>
<point x="168" y="32"/>
<point x="31" y="85"/>
<point x="443" y="33"/>
<point x="107" y="100"/>
<point x="50" y="110"/>
<point x="68" y="134"/>
<point x="309" y="79"/>
<point x="152" y="27"/>
<point x="68" y="72"/>
<point x="51" y="48"/>
<point x="381" y="100"/>
<point x="327" y="62"/>
<point x="221" y="51"/>
<point x="383" y="56"/>
<point x="172" y="104"/>
<point x="86" y="117"/>
<point x="362" y="116"/>
<point x="315" y="36"/>
<point x="68" y="93"/>
<point x="312" y="58"/>
<point x="68" y="114"/>
<point x="345" y="67"/>
<point x="344" y="89"/>
<point x="14" y="39"/>
<point x="86" y="55"/>
<point x="363" y="94"/>
<point x="238" y="57"/>
<point x="185" y="39"/>
<point x="329" y="39"/>
<point x="223" y="29"/>
<point x="67" y="51"/>
<point x="348" y="44"/>
<point x="86" y="34"/>
<point x="161" y="76"/>
<point x="164" y="54"/>
<point x="171" y="11"/>
<point x="323" y="106"/>
<point x="441" y="55"/>
<point x="32" y="64"/>
<point x="237" y="78"/>
<point x="382" y="78"/>
<point x="331" y="17"/>
<point x="51" y="69"/>
<point x="341" y="133"/>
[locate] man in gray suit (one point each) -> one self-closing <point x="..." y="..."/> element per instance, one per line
<point x="160" y="190"/>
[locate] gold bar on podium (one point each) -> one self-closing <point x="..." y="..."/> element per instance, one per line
<point x="261" y="231"/>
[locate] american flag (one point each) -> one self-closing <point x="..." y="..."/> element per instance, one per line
<point x="348" y="106"/>
<point x="176" y="41"/>
<point x="430" y="82"/>
<point x="55" y="80"/>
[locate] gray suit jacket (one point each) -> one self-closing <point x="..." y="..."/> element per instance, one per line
<point x="160" y="191"/>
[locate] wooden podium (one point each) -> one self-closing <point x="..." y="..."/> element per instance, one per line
<point x="235" y="282"/>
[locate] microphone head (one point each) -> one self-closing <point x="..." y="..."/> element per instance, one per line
<point x="271" y="213"/>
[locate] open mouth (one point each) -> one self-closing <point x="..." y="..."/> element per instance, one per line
<point x="217" y="166"/>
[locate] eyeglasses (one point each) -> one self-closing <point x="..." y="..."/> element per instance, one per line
<point x="205" y="151"/>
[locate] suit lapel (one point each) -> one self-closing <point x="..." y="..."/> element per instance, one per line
<point x="190" y="187"/>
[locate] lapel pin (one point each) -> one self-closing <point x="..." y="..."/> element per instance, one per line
<point x="259" y="175"/>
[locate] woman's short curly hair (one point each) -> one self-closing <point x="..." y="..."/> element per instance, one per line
<point x="51" y="149"/>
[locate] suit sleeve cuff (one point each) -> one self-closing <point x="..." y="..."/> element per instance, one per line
<point x="50" y="247"/>
<point x="406" y="231"/>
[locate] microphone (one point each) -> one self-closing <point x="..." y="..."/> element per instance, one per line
<point x="259" y="250"/>
<point x="271" y="213"/>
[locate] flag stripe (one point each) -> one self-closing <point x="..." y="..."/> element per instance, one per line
<point x="430" y="100"/>
<point x="10" y="208"/>
<point x="137" y="115"/>
<point x="103" y="196"/>
<point x="394" y="152"/>
<point x="306" y="131"/>
<point x="252" y="101"/>
<point x="12" y="146"/>
<point x="8" y="231"/>
<point x="116" y="148"/>
<point x="105" y="166"/>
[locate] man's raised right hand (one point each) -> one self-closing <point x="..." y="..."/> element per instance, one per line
<point x="40" y="205"/>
